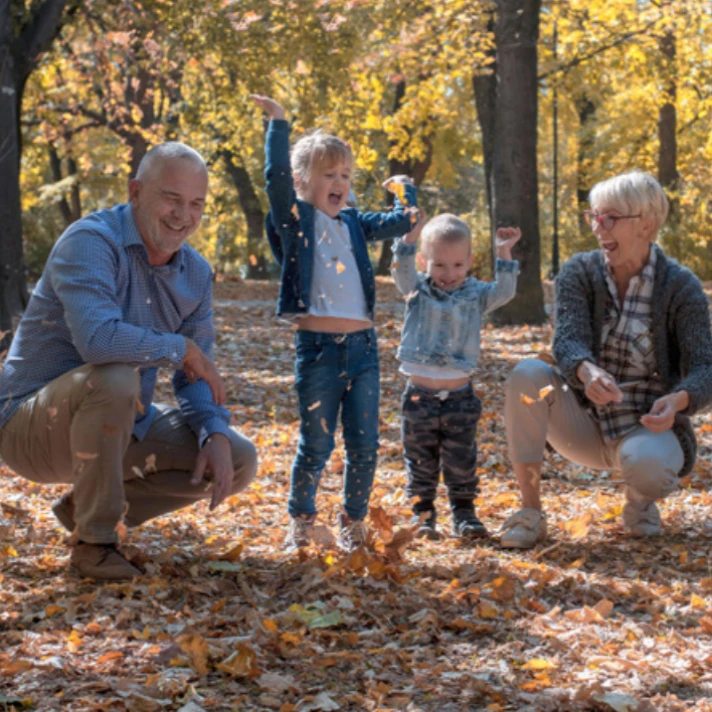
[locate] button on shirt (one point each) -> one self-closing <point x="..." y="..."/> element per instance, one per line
<point x="100" y="301"/>
<point x="627" y="353"/>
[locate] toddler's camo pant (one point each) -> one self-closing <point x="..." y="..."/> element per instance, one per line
<point x="439" y="430"/>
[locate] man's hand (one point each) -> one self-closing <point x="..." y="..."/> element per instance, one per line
<point x="197" y="365"/>
<point x="414" y="234"/>
<point x="215" y="457"/>
<point x="269" y="106"/>
<point x="505" y="239"/>
<point x="600" y="387"/>
<point x="662" y="413"/>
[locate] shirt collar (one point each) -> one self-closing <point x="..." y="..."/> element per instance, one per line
<point x="132" y="237"/>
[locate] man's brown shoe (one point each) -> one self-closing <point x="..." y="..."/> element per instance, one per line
<point x="102" y="562"/>
<point x="63" y="509"/>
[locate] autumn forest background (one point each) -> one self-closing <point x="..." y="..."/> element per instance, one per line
<point x="504" y="112"/>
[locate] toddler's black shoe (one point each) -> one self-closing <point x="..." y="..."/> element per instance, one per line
<point x="466" y="525"/>
<point x="427" y="525"/>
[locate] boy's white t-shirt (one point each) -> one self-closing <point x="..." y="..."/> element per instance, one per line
<point x="336" y="288"/>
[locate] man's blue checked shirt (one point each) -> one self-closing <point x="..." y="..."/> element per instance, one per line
<point x="100" y="301"/>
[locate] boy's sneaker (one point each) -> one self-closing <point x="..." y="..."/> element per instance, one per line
<point x="642" y="519"/>
<point x="300" y="531"/>
<point x="466" y="525"/>
<point x="427" y="526"/>
<point x="524" y="529"/>
<point x="352" y="532"/>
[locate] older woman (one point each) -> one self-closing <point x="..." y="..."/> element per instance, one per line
<point x="634" y="361"/>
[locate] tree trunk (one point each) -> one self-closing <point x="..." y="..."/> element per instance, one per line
<point x="70" y="210"/>
<point x="514" y="169"/>
<point x="586" y="110"/>
<point x="484" y="85"/>
<point x="667" y="138"/>
<point x="254" y="215"/>
<point x="13" y="288"/>
<point x="20" y="48"/>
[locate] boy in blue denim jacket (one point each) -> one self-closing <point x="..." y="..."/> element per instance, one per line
<point x="327" y="285"/>
<point x="439" y="350"/>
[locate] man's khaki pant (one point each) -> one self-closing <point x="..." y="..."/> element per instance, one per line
<point x="77" y="429"/>
<point x="649" y="462"/>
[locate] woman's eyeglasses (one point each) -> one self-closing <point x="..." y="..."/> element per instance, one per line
<point x="607" y="222"/>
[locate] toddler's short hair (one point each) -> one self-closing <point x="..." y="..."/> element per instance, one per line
<point x="317" y="149"/>
<point x="445" y="228"/>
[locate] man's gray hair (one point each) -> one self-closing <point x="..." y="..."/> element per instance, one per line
<point x="166" y="152"/>
<point x="634" y="193"/>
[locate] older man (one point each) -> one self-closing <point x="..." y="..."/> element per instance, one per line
<point x="121" y="295"/>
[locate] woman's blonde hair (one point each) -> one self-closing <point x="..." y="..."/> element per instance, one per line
<point x="318" y="149"/>
<point x="634" y="193"/>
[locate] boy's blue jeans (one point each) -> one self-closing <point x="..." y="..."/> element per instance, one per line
<point x="333" y="372"/>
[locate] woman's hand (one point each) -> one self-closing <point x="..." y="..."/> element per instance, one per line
<point x="600" y="387"/>
<point x="662" y="413"/>
<point x="269" y="106"/>
<point x="505" y="239"/>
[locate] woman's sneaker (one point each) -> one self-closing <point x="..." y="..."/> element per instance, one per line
<point x="427" y="526"/>
<point x="524" y="529"/>
<point x="352" y="532"/>
<point x="466" y="525"/>
<point x="299" y="534"/>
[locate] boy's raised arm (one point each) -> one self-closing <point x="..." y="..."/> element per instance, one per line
<point x="403" y="268"/>
<point x="503" y="289"/>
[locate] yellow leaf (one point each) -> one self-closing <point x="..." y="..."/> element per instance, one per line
<point x="270" y="625"/>
<point x="53" y="610"/>
<point x="487" y="610"/>
<point x="538" y="664"/>
<point x="578" y="528"/>
<point x="242" y="663"/>
<point x="697" y="601"/>
<point x="340" y="267"/>
<point x="524" y="398"/>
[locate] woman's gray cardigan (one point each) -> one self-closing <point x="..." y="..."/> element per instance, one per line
<point x="680" y="324"/>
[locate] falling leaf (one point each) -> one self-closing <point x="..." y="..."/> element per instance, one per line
<point x="526" y="399"/>
<point x="295" y="211"/>
<point x="340" y="267"/>
<point x="314" y="405"/>
<point x="253" y="260"/>
<point x="544" y="392"/>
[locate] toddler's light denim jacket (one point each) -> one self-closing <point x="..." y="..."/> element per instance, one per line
<point x="442" y="328"/>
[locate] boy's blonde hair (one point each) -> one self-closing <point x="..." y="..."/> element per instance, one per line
<point x="318" y="149"/>
<point x="445" y="228"/>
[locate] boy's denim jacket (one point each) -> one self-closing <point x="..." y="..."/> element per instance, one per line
<point x="442" y="328"/>
<point x="290" y="228"/>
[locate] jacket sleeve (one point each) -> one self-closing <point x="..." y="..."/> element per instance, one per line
<point x="195" y="399"/>
<point x="403" y="269"/>
<point x="690" y="322"/>
<point x="502" y="290"/>
<point x="395" y="223"/>
<point x="278" y="178"/>
<point x="573" y="331"/>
